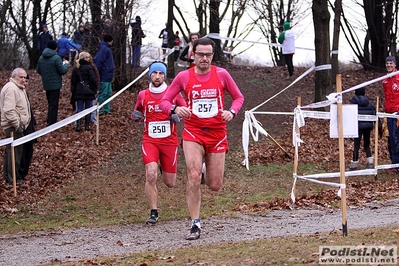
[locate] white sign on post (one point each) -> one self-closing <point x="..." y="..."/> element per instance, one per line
<point x="349" y="120"/>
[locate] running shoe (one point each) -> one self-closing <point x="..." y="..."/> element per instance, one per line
<point x="195" y="232"/>
<point x="152" y="219"/>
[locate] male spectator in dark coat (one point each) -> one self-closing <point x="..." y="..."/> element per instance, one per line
<point x="104" y="61"/>
<point x="43" y="39"/>
<point x="51" y="68"/>
<point x="137" y="35"/>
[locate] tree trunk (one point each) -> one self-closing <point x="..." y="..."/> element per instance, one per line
<point x="96" y="33"/>
<point x="171" y="39"/>
<point x="214" y="27"/>
<point x="321" y="22"/>
<point x="118" y="30"/>
<point x="379" y="22"/>
<point x="337" y="24"/>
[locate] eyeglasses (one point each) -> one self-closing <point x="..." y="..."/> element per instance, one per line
<point x="204" y="54"/>
<point x="23" y="77"/>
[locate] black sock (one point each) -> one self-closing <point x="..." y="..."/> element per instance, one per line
<point x="154" y="212"/>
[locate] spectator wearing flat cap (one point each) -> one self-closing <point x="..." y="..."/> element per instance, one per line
<point x="63" y="46"/>
<point x="43" y="39"/>
<point x="391" y="103"/>
<point x="104" y="61"/>
<point x="51" y="68"/>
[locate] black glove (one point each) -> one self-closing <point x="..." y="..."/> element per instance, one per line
<point x="137" y="115"/>
<point x="175" y="118"/>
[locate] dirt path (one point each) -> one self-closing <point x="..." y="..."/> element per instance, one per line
<point x="68" y="245"/>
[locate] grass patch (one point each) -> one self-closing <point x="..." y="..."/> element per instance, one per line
<point x="114" y="194"/>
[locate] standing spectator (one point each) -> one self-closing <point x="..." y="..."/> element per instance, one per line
<point x="365" y="107"/>
<point x="188" y="52"/>
<point x="83" y="71"/>
<point x="87" y="37"/>
<point x="179" y="44"/>
<point x="108" y="27"/>
<point x="51" y="68"/>
<point x="104" y="61"/>
<point x="137" y="36"/>
<point x="43" y="39"/>
<point x="157" y="145"/>
<point x="391" y="103"/>
<point x="76" y="42"/>
<point x="204" y="134"/>
<point x="164" y="36"/>
<point x="15" y="118"/>
<point x="287" y="39"/>
<point x="77" y="39"/>
<point x="27" y="151"/>
<point x="63" y="46"/>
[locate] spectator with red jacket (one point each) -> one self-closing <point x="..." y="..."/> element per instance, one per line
<point x="391" y="102"/>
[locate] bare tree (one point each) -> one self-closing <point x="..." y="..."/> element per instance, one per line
<point x="337" y="24"/>
<point x="379" y="17"/>
<point x="214" y="27"/>
<point x="270" y="17"/>
<point x="238" y="9"/>
<point x="380" y="28"/>
<point x="321" y="22"/>
<point x="171" y="39"/>
<point x="117" y="28"/>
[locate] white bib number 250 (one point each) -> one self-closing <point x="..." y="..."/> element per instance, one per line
<point x="205" y="108"/>
<point x="158" y="130"/>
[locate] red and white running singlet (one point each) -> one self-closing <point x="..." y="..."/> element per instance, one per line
<point x="205" y="99"/>
<point x="158" y="128"/>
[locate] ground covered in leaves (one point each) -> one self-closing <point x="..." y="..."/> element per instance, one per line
<point x="64" y="154"/>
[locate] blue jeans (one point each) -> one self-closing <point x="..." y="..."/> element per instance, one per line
<point x="104" y="94"/>
<point x="393" y="140"/>
<point x="136" y="55"/>
<point x="83" y="104"/>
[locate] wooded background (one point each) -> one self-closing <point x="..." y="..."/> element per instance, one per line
<point x="21" y="21"/>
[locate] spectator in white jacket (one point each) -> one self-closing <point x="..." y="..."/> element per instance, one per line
<point x="287" y="40"/>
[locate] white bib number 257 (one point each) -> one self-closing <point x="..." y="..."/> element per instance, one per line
<point x="158" y="130"/>
<point x="205" y="108"/>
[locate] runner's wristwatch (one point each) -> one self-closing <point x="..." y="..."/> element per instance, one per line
<point x="173" y="108"/>
<point x="233" y="112"/>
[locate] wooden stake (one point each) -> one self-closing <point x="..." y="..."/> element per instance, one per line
<point x="296" y="148"/>
<point x="14" y="175"/>
<point x="97" y="126"/>
<point x="376" y="125"/>
<point x="286" y="153"/>
<point x="341" y="154"/>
